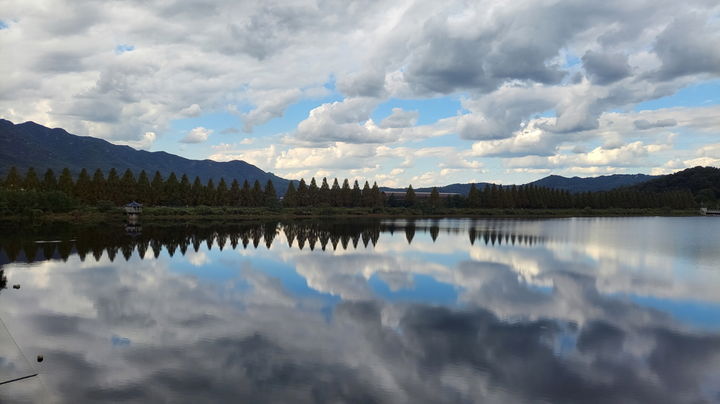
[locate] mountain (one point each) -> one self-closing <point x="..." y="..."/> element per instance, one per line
<point x="591" y="184"/>
<point x="463" y="189"/>
<point x="703" y="182"/>
<point x="31" y="145"/>
<point x="574" y="184"/>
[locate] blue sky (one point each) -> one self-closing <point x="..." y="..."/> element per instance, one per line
<point x="414" y="92"/>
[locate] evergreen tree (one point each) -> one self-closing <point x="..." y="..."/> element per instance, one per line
<point x="171" y="191"/>
<point x="49" y="182"/>
<point x="197" y="192"/>
<point x="98" y="187"/>
<point x="84" y="187"/>
<point x="365" y="197"/>
<point x="356" y="195"/>
<point x="346" y="194"/>
<point x="13" y="180"/>
<point x="112" y="187"/>
<point x="222" y="193"/>
<point x="208" y="197"/>
<point x="376" y="196"/>
<point x="65" y="182"/>
<point x="410" y="196"/>
<point x="31" y="179"/>
<point x="434" y="198"/>
<point x="325" y="197"/>
<point x="313" y="193"/>
<point x="234" y="195"/>
<point x="185" y="191"/>
<point x="473" y="199"/>
<point x="128" y="187"/>
<point x="290" y="198"/>
<point x="257" y="194"/>
<point x="142" y="190"/>
<point x="245" y="199"/>
<point x="335" y="199"/>
<point x="270" y="195"/>
<point x="156" y="189"/>
<point x="302" y="193"/>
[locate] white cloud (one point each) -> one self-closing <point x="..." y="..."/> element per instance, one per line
<point x="197" y="135"/>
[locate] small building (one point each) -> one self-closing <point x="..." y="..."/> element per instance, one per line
<point x="133" y="208"/>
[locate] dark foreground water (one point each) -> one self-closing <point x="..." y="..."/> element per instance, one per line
<point x="460" y="311"/>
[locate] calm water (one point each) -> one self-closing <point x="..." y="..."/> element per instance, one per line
<point x="489" y="311"/>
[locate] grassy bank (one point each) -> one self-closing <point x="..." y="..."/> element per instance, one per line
<point x="93" y="215"/>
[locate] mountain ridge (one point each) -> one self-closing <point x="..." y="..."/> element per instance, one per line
<point x="56" y="148"/>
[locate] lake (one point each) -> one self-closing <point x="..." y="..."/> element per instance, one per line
<point x="592" y="310"/>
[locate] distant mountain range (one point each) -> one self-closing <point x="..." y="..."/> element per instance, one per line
<point x="574" y="184"/>
<point x="31" y="145"/>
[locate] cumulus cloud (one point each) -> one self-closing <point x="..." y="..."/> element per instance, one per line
<point x="400" y="118"/>
<point x="606" y="68"/>
<point x="643" y="124"/>
<point x="197" y="135"/>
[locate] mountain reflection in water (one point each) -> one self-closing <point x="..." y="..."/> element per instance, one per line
<point x="426" y="311"/>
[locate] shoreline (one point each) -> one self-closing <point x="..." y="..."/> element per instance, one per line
<point x="165" y="215"/>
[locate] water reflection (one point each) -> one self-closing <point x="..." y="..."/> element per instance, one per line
<point x="96" y="242"/>
<point x="378" y="311"/>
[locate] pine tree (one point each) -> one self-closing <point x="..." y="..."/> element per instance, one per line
<point x="410" y="196"/>
<point x="325" y="197"/>
<point x="184" y="190"/>
<point x="208" y="197"/>
<point x="84" y="187"/>
<point x="313" y="193"/>
<point x="270" y="195"/>
<point x="356" y="195"/>
<point x="234" y="195"/>
<point x="196" y="192"/>
<point x="434" y="198"/>
<point x="171" y="190"/>
<point x="128" y="186"/>
<point x="473" y="199"/>
<point x="31" y="179"/>
<point x="302" y="193"/>
<point x="335" y="198"/>
<point x="142" y="190"/>
<point x="365" y="197"/>
<point x="13" y="180"/>
<point x="157" y="191"/>
<point x="376" y="196"/>
<point x="346" y="194"/>
<point x="49" y="182"/>
<point x="221" y="194"/>
<point x="257" y="194"/>
<point x="65" y="182"/>
<point x="290" y="198"/>
<point x="245" y="199"/>
<point x="112" y="187"/>
<point x="98" y="187"/>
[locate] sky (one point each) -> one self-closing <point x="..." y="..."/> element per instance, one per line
<point x="405" y="92"/>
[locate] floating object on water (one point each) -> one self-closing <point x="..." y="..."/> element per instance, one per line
<point x="16" y="286"/>
<point x="40" y="358"/>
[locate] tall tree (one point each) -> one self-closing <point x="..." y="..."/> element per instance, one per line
<point x="365" y="197"/>
<point x="356" y="195"/>
<point x="185" y="190"/>
<point x="257" y="194"/>
<point x="346" y="194"/>
<point x="410" y="196"/>
<point x="270" y="195"/>
<point x="13" y="179"/>
<point x="245" y="197"/>
<point x="222" y="193"/>
<point x="65" y="182"/>
<point x="325" y="197"/>
<point x="290" y="198"/>
<point x="84" y="186"/>
<point x="156" y="189"/>
<point x="335" y="198"/>
<point x="31" y="179"/>
<point x="49" y="182"/>
<point x="197" y="192"/>
<point x="112" y="187"/>
<point x="434" y="198"/>
<point x="98" y="187"/>
<point x="143" y="188"/>
<point x="473" y="199"/>
<point x="234" y="195"/>
<point x="302" y="193"/>
<point x="128" y="186"/>
<point x="313" y="193"/>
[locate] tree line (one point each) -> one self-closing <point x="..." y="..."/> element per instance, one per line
<point x="49" y="192"/>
